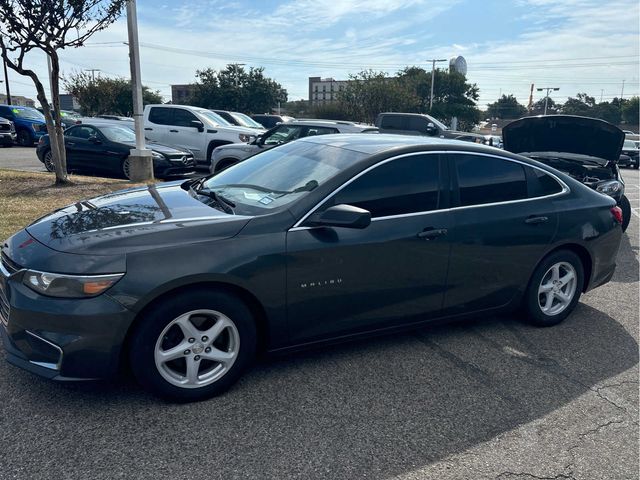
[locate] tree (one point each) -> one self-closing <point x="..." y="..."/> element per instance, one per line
<point x="581" y="105"/>
<point x="538" y="107"/>
<point x="237" y="89"/>
<point x="506" y="106"/>
<point x="49" y="26"/>
<point x="631" y="111"/>
<point x="106" y="95"/>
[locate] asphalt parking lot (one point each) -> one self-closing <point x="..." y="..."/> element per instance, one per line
<point x="487" y="399"/>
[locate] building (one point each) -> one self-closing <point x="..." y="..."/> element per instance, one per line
<point x="181" y="93"/>
<point x="324" y="90"/>
<point x="69" y="102"/>
<point x="18" y="101"/>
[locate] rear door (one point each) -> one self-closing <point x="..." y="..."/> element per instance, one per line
<point x="344" y="280"/>
<point x="504" y="220"/>
<point x="156" y="128"/>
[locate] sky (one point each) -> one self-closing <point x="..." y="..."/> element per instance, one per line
<point x="576" y="45"/>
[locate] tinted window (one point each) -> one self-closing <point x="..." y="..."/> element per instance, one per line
<point x="161" y="115"/>
<point x="320" y="131"/>
<point x="392" y="122"/>
<point x="183" y="118"/>
<point x="283" y="134"/>
<point x="81" y="132"/>
<point x="543" y="184"/>
<point x="488" y="180"/>
<point x="417" y="124"/>
<point x="405" y="185"/>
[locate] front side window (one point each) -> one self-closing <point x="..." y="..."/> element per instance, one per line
<point x="401" y="186"/>
<point x="83" y="132"/>
<point x="392" y="122"/>
<point x="283" y="134"/>
<point x="484" y="180"/>
<point x="183" y="118"/>
<point x="417" y="124"/>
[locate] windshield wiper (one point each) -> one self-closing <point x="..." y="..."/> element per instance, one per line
<point x="226" y="204"/>
<point x="307" y="187"/>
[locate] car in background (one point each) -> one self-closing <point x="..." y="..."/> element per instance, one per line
<point x="194" y="129"/>
<point x="270" y="121"/>
<point x="421" y="124"/>
<point x="228" y="155"/>
<point x="586" y="149"/>
<point x="68" y="118"/>
<point x="7" y="133"/>
<point x="116" y="117"/>
<point x="631" y="152"/>
<point x="493" y="141"/>
<point x="29" y="123"/>
<point x="239" y="119"/>
<point x="104" y="148"/>
<point x="327" y="238"/>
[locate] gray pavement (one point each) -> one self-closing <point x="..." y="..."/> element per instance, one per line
<point x="20" y="158"/>
<point x="486" y="399"/>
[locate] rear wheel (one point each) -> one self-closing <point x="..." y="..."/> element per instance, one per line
<point x="554" y="288"/>
<point x="625" y="206"/>
<point x="25" y="139"/>
<point x="194" y="346"/>
<point x="126" y="168"/>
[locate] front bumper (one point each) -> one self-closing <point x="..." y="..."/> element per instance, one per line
<point x="8" y="138"/>
<point x="61" y="338"/>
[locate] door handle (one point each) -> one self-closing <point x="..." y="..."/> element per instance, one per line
<point x="536" y="219"/>
<point x="430" y="232"/>
<point x="147" y="128"/>
<point x="173" y="131"/>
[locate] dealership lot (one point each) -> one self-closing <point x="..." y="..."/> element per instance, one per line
<point x="491" y="398"/>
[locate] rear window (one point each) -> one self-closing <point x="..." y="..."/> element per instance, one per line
<point x="483" y="180"/>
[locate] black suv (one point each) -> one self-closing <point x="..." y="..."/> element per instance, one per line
<point x="421" y="124"/>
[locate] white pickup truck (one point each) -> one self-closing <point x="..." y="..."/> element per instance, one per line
<point x="196" y="129"/>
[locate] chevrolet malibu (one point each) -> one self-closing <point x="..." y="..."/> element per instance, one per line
<point x="319" y="240"/>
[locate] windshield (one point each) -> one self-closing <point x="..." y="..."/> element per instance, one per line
<point x="279" y="176"/>
<point x="438" y="123"/>
<point x="245" y="120"/>
<point x="214" y="118"/>
<point x="630" y="144"/>
<point x="28" y="113"/>
<point x="118" y="134"/>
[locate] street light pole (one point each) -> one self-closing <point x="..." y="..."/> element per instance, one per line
<point x="546" y="98"/>
<point x="433" y="72"/>
<point x="140" y="160"/>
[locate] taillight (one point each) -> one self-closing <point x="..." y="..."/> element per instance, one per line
<point x="617" y="214"/>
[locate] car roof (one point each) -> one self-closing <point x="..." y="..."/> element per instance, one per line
<point x="377" y="144"/>
<point x="102" y="123"/>
<point x="341" y="126"/>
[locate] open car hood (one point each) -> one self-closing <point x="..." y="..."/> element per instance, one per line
<point x="564" y="134"/>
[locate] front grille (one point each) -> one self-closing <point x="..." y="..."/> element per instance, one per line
<point x="9" y="265"/>
<point x="4" y="304"/>
<point x="5" y="127"/>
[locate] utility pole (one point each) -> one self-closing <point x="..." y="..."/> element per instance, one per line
<point x="546" y="98"/>
<point x="622" y="92"/>
<point x="433" y="72"/>
<point x="530" y="106"/>
<point x="601" y="94"/>
<point x="6" y="82"/>
<point x="93" y="73"/>
<point x="140" y="160"/>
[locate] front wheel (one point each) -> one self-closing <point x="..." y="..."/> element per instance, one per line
<point x="194" y="346"/>
<point x="25" y="139"/>
<point x="554" y="288"/>
<point x="48" y="161"/>
<point x="625" y="206"/>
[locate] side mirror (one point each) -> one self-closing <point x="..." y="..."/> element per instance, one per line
<point x="259" y="140"/>
<point x="94" y="139"/>
<point x="431" y="129"/>
<point x="198" y="124"/>
<point x="345" y="216"/>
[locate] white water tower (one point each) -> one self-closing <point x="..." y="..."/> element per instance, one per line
<point x="458" y="64"/>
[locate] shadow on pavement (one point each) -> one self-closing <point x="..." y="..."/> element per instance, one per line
<point x="366" y="409"/>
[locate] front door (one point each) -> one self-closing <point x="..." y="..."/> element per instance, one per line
<point x="82" y="152"/>
<point x="342" y="280"/>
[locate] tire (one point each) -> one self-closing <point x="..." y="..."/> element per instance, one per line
<point x="126" y="168"/>
<point x="162" y="329"/>
<point x="544" y="283"/>
<point x="636" y="165"/>
<point x="25" y="138"/>
<point x="625" y="206"/>
<point x="48" y="161"/>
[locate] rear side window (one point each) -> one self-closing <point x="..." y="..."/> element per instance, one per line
<point x="81" y="132"/>
<point x="542" y="184"/>
<point x="406" y="185"/>
<point x="161" y="115"/>
<point x="392" y="122"/>
<point x="484" y="180"/>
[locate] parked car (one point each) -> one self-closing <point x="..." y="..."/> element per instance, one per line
<point x="421" y="124"/>
<point x="587" y="149"/>
<point x="68" y="118"/>
<point x="239" y="119"/>
<point x="270" y="121"/>
<point x="195" y="129"/>
<point x="29" y="123"/>
<point x="323" y="239"/>
<point x="7" y="133"/>
<point x="632" y="154"/>
<point x="104" y="148"/>
<point x="119" y="118"/>
<point x="493" y="141"/>
<point x="227" y="155"/>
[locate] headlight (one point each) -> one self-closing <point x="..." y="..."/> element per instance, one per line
<point x="157" y="155"/>
<point x="69" y="286"/>
<point x="609" y="188"/>
<point x="244" y="138"/>
<point x="38" y="128"/>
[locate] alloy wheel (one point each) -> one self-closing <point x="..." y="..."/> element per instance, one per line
<point x="557" y="288"/>
<point x="48" y="161"/>
<point x="197" y="348"/>
<point x="126" y="169"/>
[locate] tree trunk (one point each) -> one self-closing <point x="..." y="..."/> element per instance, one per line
<point x="56" y="134"/>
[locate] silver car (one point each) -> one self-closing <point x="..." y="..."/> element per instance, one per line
<point x="227" y="155"/>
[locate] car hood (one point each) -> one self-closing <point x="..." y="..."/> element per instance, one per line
<point x="154" y="216"/>
<point x="239" y="129"/>
<point x="564" y="134"/>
